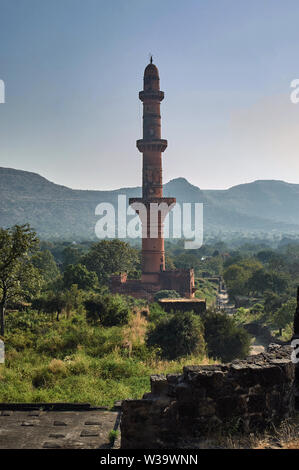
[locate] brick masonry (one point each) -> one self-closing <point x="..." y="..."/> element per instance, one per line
<point x="179" y="280"/>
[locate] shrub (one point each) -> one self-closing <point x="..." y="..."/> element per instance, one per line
<point x="116" y="367"/>
<point x="113" y="435"/>
<point x="26" y="321"/>
<point x="166" y="294"/>
<point x="178" y="335"/>
<point x="225" y="339"/>
<point x="257" y="308"/>
<point x="42" y="377"/>
<point x="156" y="312"/>
<point x="51" y="343"/>
<point x="57" y="367"/>
<point x="107" y="309"/>
<point x="20" y="340"/>
<point x="77" y="365"/>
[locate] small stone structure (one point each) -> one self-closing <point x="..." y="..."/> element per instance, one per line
<point x="180" y="280"/>
<point x="246" y="395"/>
<point x="198" y="306"/>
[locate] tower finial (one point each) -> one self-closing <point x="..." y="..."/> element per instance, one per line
<point x="151" y="59"/>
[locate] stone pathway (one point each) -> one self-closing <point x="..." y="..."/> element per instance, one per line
<point x="40" y="429"/>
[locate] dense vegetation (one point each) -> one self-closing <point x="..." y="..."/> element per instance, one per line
<point x="68" y="339"/>
<point x="77" y="361"/>
<point x="178" y="335"/>
<point x="225" y="338"/>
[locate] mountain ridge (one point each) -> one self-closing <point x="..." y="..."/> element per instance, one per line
<point x="56" y="211"/>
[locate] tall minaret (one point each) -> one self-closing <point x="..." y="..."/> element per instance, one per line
<point x="152" y="146"/>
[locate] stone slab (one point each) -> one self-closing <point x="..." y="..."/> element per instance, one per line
<point x="18" y="430"/>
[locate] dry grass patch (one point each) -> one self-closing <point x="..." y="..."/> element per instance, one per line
<point x="284" y="436"/>
<point x="134" y="332"/>
<point x="57" y="366"/>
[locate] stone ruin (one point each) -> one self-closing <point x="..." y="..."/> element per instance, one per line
<point x="245" y="395"/>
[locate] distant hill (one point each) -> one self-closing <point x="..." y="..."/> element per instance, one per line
<point x="270" y="199"/>
<point x="59" y="212"/>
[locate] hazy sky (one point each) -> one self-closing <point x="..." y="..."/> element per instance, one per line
<point x="73" y="70"/>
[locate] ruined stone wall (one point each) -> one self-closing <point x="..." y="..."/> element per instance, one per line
<point x="181" y="280"/>
<point x="134" y="287"/>
<point x="247" y="395"/>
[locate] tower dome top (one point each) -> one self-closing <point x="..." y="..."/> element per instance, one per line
<point x="151" y="69"/>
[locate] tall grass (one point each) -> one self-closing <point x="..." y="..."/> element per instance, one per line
<point x="73" y="361"/>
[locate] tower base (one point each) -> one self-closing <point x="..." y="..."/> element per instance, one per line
<point x="181" y="280"/>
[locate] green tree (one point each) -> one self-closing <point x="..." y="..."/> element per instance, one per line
<point x="265" y="256"/>
<point x="108" y="257"/>
<point x="250" y="265"/>
<point x="225" y="339"/>
<point x="18" y="277"/>
<point x="73" y="299"/>
<point x="187" y="260"/>
<point x="279" y="281"/>
<point x="272" y="302"/>
<point x="44" y="261"/>
<point x="235" y="277"/>
<point x="177" y="335"/>
<point x="213" y="265"/>
<point x="233" y="258"/>
<point x="71" y="255"/>
<point x="55" y="303"/>
<point x="79" y="274"/>
<point x="277" y="263"/>
<point x="169" y="263"/>
<point x="285" y="314"/>
<point x="259" y="281"/>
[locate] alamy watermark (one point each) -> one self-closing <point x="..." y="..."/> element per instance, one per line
<point x="295" y="352"/>
<point x="2" y="352"/>
<point x="294" y="96"/>
<point x="178" y="221"/>
<point x="2" y="92"/>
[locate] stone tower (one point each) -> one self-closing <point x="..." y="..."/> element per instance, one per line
<point x="152" y="146"/>
<point x="154" y="277"/>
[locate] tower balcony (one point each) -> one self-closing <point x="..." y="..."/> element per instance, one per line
<point x="155" y="145"/>
<point x="147" y="95"/>
<point x="152" y="200"/>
